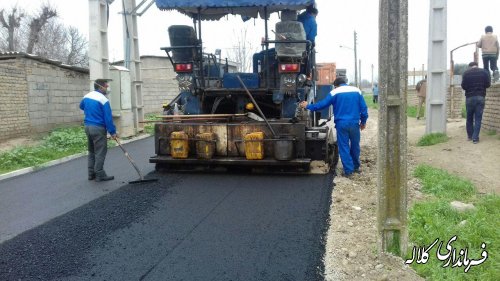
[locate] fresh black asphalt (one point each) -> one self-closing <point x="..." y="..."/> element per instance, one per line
<point x="183" y="227"/>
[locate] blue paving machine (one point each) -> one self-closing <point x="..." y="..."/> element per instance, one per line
<point x="233" y="120"/>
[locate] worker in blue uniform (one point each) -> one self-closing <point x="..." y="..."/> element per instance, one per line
<point x="350" y="114"/>
<point x="308" y="20"/>
<point x="98" y="122"/>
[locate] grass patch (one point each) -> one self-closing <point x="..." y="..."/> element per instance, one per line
<point x="58" y="144"/>
<point x="442" y="184"/>
<point x="491" y="133"/>
<point x="369" y="101"/>
<point x="432" y="139"/>
<point x="434" y="219"/>
<point x="411" y="111"/>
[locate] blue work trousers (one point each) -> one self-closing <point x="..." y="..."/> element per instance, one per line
<point x="475" y="107"/>
<point x="98" y="148"/>
<point x="348" y="137"/>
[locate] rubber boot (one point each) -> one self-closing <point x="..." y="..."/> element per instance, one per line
<point x="101" y="176"/>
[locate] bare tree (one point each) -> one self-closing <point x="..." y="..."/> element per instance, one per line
<point x="65" y="44"/>
<point x="242" y="52"/>
<point x="78" y="47"/>
<point x="37" y="23"/>
<point x="51" y="41"/>
<point x="12" y="23"/>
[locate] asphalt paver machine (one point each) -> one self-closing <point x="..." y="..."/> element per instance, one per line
<point x="233" y="120"/>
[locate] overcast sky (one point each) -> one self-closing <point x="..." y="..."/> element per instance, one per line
<point x="337" y="21"/>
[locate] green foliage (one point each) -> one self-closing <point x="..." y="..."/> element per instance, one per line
<point x="442" y="184"/>
<point x="66" y="139"/>
<point x="460" y="68"/>
<point x="464" y="111"/>
<point x="491" y="132"/>
<point x="150" y="127"/>
<point x="432" y="139"/>
<point x="369" y="101"/>
<point x="59" y="143"/>
<point x="411" y="111"/>
<point x="434" y="219"/>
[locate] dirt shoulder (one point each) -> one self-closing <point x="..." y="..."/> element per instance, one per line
<point x="351" y="250"/>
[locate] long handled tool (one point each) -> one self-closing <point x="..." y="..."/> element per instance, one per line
<point x="256" y="106"/>
<point x="141" y="177"/>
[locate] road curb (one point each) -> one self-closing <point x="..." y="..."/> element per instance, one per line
<point x="59" y="161"/>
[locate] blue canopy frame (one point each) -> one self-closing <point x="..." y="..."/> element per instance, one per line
<point x="216" y="9"/>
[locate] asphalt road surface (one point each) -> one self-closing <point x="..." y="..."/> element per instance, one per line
<point x="183" y="227"/>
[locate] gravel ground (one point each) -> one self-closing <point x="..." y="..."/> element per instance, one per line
<point x="351" y="249"/>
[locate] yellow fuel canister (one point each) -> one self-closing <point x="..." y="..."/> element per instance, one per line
<point x="179" y="145"/>
<point x="205" y="145"/>
<point x="254" y="146"/>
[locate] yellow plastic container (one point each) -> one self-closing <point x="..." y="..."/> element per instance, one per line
<point x="205" y="145"/>
<point x="254" y="146"/>
<point x="179" y="145"/>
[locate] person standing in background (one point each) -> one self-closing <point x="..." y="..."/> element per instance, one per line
<point x="489" y="48"/>
<point x="475" y="81"/>
<point x="421" y="95"/>
<point x="375" y="93"/>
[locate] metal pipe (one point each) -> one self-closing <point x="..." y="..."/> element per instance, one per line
<point x="202" y="115"/>
<point x="256" y="106"/>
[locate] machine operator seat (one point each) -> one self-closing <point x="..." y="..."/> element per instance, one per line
<point x="290" y="29"/>
<point x="183" y="35"/>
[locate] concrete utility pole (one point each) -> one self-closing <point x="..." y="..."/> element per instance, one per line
<point x="98" y="40"/>
<point x="393" y="81"/>
<point x="435" y="106"/>
<point x="132" y="60"/>
<point x="360" y="80"/>
<point x="372" y="76"/>
<point x="355" y="59"/>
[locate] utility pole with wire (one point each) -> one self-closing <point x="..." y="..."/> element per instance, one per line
<point x="355" y="59"/>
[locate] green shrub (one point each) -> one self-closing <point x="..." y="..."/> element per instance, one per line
<point x="59" y="143"/>
<point x="149" y="127"/>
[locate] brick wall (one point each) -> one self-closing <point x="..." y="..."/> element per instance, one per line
<point x="453" y="104"/>
<point x="13" y="100"/>
<point x="491" y="115"/>
<point x="159" y="84"/>
<point x="37" y="95"/>
<point x="411" y="97"/>
<point x="54" y="95"/>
